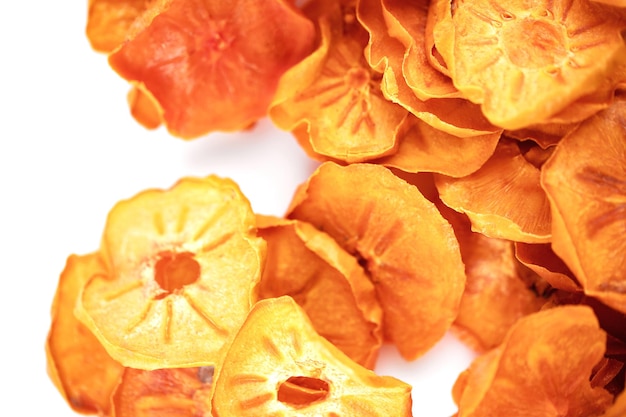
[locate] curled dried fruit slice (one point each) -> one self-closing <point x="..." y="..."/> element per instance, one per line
<point x="406" y="246"/>
<point x="78" y="365"/>
<point x="497" y="291"/>
<point x="503" y="199"/>
<point x="541" y="258"/>
<point x="541" y="369"/>
<point x="337" y="96"/>
<point x="426" y="149"/>
<point x="455" y="116"/>
<point x="214" y="65"/>
<point x="277" y="365"/>
<point x="327" y="282"/>
<point x="409" y="20"/>
<point x="525" y="61"/>
<point x="109" y="22"/>
<point x="182" y="265"/>
<point x="585" y="180"/>
<point x="175" y="392"/>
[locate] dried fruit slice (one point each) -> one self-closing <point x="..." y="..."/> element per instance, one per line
<point x="279" y="366"/>
<point x="525" y="61"/>
<point x="541" y="258"/>
<point x="541" y="369"/>
<point x="503" y="198"/>
<point x="327" y="282"/>
<point x="78" y="365"/>
<point x="176" y="392"/>
<point x="455" y="116"/>
<point x="337" y="96"/>
<point x="498" y="291"/>
<point x="426" y="149"/>
<point x="109" y="22"/>
<point x="182" y="265"/>
<point x="585" y="180"/>
<point x="401" y="239"/>
<point x="213" y="65"/>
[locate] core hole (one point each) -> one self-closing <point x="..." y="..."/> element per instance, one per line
<point x="175" y="270"/>
<point x="301" y="391"/>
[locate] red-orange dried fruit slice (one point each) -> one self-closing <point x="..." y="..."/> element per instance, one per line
<point x="496" y="294"/>
<point x="402" y="240"/>
<point x="337" y="96"/>
<point x="541" y="258"/>
<point x="426" y="149"/>
<point x="183" y="265"/>
<point x="326" y="281"/>
<point x="541" y="369"/>
<point x="544" y="135"/>
<point x="109" y="22"/>
<point x="175" y="392"/>
<point x="523" y="62"/>
<point x="455" y="116"/>
<point x="278" y="365"/>
<point x="585" y="180"/>
<point x="213" y="65"/>
<point x="618" y="409"/>
<point x="144" y="108"/>
<point x="503" y="199"/>
<point x="78" y="365"/>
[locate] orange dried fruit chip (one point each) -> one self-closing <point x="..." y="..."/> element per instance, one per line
<point x="503" y="198"/>
<point x="277" y="365"/>
<point x="78" y="365"/>
<point x="406" y="246"/>
<point x="326" y="281"/>
<point x="541" y="258"/>
<point x="337" y="96"/>
<point x="585" y="180"/>
<point x="497" y="292"/>
<point x="409" y="20"/>
<point x="423" y="148"/>
<point x="174" y="392"/>
<point x="541" y="369"/>
<point x="525" y="61"/>
<point x="213" y="65"/>
<point x="109" y="21"/>
<point x="183" y="266"/>
<point x="455" y="116"/>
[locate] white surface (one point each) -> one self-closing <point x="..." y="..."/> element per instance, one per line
<point x="70" y="150"/>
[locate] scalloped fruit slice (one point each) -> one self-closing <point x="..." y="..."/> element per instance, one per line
<point x="78" y="365"/>
<point x="503" y="198"/>
<point x="426" y="149"/>
<point x="524" y="61"/>
<point x="174" y="392"/>
<point x="109" y="22"/>
<point x="542" y="368"/>
<point x="278" y="366"/>
<point x="585" y="180"/>
<point x="183" y="266"/>
<point x="326" y="281"/>
<point x="337" y="96"/>
<point x="406" y="246"/>
<point x="214" y="65"/>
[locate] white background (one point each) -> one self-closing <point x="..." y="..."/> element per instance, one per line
<point x="70" y="150"/>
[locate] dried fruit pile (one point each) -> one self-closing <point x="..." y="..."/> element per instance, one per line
<point x="471" y="178"/>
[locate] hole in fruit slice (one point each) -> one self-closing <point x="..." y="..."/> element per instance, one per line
<point x="301" y="391"/>
<point x="175" y="270"/>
